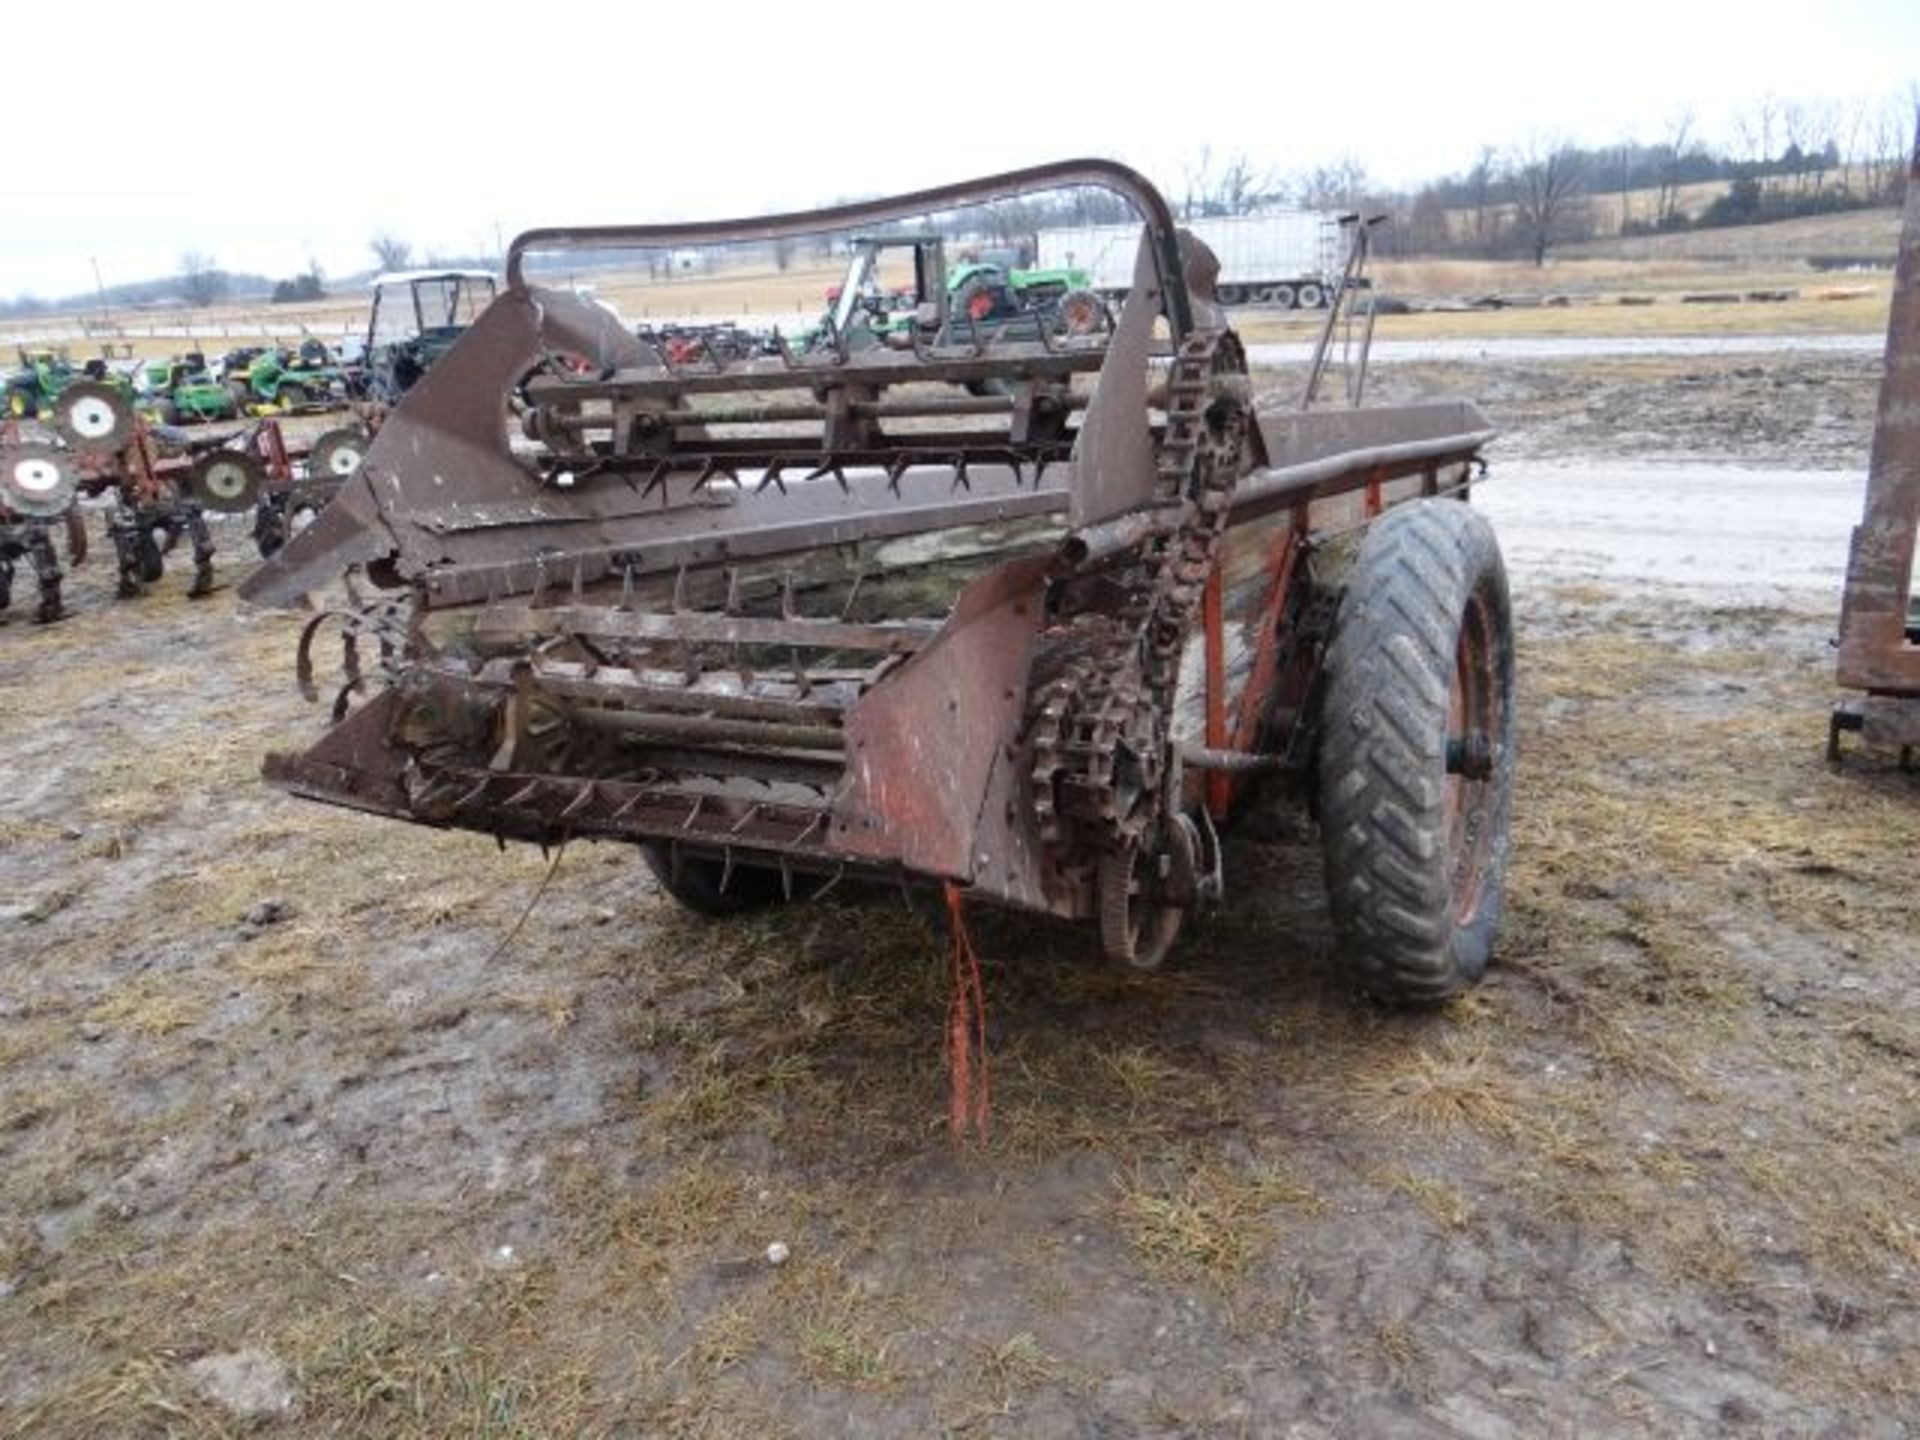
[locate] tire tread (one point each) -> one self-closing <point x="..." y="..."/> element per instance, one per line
<point x="1382" y="751"/>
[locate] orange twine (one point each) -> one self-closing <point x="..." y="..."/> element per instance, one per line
<point x="969" y="1103"/>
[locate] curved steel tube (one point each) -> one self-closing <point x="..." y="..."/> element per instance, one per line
<point x="1109" y="175"/>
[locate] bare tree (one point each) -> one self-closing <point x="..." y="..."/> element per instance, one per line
<point x="1426" y="226"/>
<point x="1623" y="154"/>
<point x="1235" y="188"/>
<point x="1754" y="132"/>
<point x="1338" y="185"/>
<point x="1241" y="190"/>
<point x="1011" y="223"/>
<point x="1823" y="142"/>
<point x="389" y="250"/>
<point x="1673" y="151"/>
<point x="1807" y="140"/>
<point x="201" y="280"/>
<point x="1199" y="179"/>
<point x="1481" y="182"/>
<point x="1888" y="146"/>
<point x="1853" y="156"/>
<point x="1548" y="194"/>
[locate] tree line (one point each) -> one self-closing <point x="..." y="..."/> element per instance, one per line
<point x="1781" y="158"/>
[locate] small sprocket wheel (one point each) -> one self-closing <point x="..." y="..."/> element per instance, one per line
<point x="1137" y="927"/>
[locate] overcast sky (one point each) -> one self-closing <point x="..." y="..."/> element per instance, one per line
<point x="265" y="141"/>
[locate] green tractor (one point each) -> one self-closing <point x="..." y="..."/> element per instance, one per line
<point x="181" y="392"/>
<point x="44" y="374"/>
<point x="976" y="297"/>
<point x="302" y="381"/>
<point x="993" y="281"/>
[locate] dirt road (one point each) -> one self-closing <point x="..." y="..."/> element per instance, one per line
<point x="285" y="1095"/>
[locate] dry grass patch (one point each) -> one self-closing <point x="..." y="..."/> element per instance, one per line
<point x="151" y="1006"/>
<point x="1016" y="1363"/>
<point x="292" y="956"/>
<point x="1402" y="1358"/>
<point x="142" y="1395"/>
<point x="411" y="1372"/>
<point x="1139" y="1075"/>
<point x="1861" y="1232"/>
<point x="842" y="1337"/>
<point x="658" y="1232"/>
<point x="1457" y="1086"/>
<point x="727" y="1337"/>
<point x="1209" y="1223"/>
<point x="1445" y="1204"/>
<point x="1634" y="1051"/>
<point x="1807" y="315"/>
<point x="1699" y="1243"/>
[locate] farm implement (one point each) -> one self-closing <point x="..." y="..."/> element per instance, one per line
<point x="1880" y="607"/>
<point x="159" y="483"/>
<point x="39" y="485"/>
<point x="1030" y="617"/>
<point x="26" y="538"/>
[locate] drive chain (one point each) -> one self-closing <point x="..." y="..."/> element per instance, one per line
<point x="1099" y="728"/>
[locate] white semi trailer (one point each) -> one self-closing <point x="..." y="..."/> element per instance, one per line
<point x="1288" y="258"/>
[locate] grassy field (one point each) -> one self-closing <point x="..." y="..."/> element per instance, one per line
<point x="1591" y="276"/>
<point x="1869" y="235"/>
<point x="1859" y="307"/>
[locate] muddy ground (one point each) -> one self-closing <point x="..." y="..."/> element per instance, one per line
<point x="281" y="1079"/>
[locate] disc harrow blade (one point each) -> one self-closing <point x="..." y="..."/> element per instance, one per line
<point x="36" y="481"/>
<point x="227" y="481"/>
<point x="93" y="417"/>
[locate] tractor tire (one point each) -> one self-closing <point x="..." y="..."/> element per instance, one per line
<point x="1416" y="754"/>
<point x="977" y="302"/>
<point x="1080" y="313"/>
<point x="269" y="530"/>
<point x="166" y="413"/>
<point x="697" y="885"/>
<point x="20" y="404"/>
<point x="153" y="562"/>
<point x="291" y="398"/>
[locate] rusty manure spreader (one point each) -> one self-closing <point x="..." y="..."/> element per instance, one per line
<point x="1029" y="615"/>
